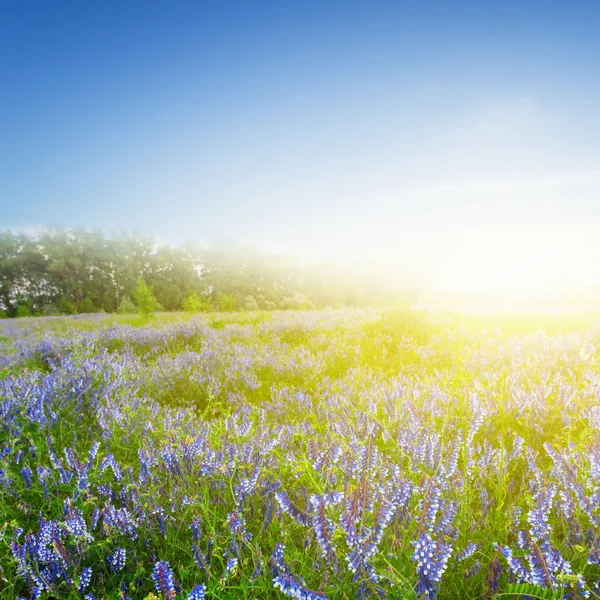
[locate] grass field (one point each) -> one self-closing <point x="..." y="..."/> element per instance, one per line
<point x="326" y="454"/>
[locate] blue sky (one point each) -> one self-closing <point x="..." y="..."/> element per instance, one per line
<point x="430" y="133"/>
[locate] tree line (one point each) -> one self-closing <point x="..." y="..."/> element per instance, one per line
<point x="68" y="271"/>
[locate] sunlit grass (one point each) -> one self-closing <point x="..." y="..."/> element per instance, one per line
<point x="441" y="399"/>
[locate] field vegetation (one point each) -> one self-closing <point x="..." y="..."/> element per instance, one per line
<point x="311" y="454"/>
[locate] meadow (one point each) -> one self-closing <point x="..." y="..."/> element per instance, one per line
<point x="322" y="454"/>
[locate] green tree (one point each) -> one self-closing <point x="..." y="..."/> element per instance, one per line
<point x="87" y="306"/>
<point x="297" y="302"/>
<point x="23" y="309"/>
<point x="196" y="303"/>
<point x="66" y="307"/>
<point x="126" y="307"/>
<point x="227" y="302"/>
<point x="144" y="298"/>
<point x="250" y="303"/>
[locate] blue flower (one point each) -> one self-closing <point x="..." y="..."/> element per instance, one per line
<point x="117" y="560"/>
<point x="197" y="593"/>
<point x="26" y="473"/>
<point x="163" y="579"/>
<point x="84" y="579"/>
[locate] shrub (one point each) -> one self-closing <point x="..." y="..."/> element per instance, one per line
<point x="250" y="303"/>
<point x="51" y="310"/>
<point x="297" y="302"/>
<point x="65" y="306"/>
<point x="227" y="303"/>
<point x="196" y="303"/>
<point x="144" y="298"/>
<point x="126" y="307"/>
<point x="23" y="310"/>
<point x="87" y="306"/>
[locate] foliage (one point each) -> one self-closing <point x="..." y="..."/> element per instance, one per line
<point x="195" y="303"/>
<point x="144" y="298"/>
<point x="227" y="302"/>
<point x="87" y="306"/>
<point x="126" y="306"/>
<point x="66" y="307"/>
<point x="23" y="310"/>
<point x="50" y="310"/>
<point x="330" y="454"/>
<point x="83" y="265"/>
<point x="296" y="302"/>
<point x="250" y="303"/>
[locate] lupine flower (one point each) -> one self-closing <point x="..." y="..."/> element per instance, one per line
<point x="163" y="579"/>
<point x="289" y="508"/>
<point x="195" y="527"/>
<point x="84" y="579"/>
<point x="117" y="560"/>
<point x="26" y="473"/>
<point x="237" y="525"/>
<point x="467" y="552"/>
<point x="197" y="593"/>
<point x="230" y="567"/>
<point x="431" y="557"/>
<point x="290" y="586"/>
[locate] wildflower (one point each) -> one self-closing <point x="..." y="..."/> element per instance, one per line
<point x="109" y="461"/>
<point x="431" y="557"/>
<point x="277" y="560"/>
<point x="538" y="515"/>
<point x="195" y="527"/>
<point x="290" y="586"/>
<point x="197" y="592"/>
<point x="163" y="579"/>
<point x="237" y="525"/>
<point x="26" y="473"/>
<point x="201" y="561"/>
<point x="289" y="508"/>
<point x="467" y="552"/>
<point x="472" y="571"/>
<point x="231" y="566"/>
<point x="492" y="577"/>
<point x="117" y="560"/>
<point x="323" y="528"/>
<point x="84" y="579"/>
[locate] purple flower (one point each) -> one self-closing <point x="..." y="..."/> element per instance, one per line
<point x="84" y="579"/>
<point x="26" y="473"/>
<point x="117" y="560"/>
<point x="290" y="586"/>
<point x="197" y="592"/>
<point x="431" y="557"/>
<point x="163" y="579"/>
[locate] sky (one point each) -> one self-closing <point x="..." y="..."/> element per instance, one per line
<point x="457" y="139"/>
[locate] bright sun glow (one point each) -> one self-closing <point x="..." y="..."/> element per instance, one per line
<point x="515" y="264"/>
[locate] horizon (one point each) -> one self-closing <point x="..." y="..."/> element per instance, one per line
<point x="459" y="143"/>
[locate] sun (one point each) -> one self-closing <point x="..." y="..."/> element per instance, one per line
<point x="514" y="265"/>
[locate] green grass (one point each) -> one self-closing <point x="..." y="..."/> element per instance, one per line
<point x="350" y="379"/>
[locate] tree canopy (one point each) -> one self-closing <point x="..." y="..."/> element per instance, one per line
<point x="66" y="271"/>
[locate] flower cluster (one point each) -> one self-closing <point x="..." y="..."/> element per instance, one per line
<point x="388" y="456"/>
